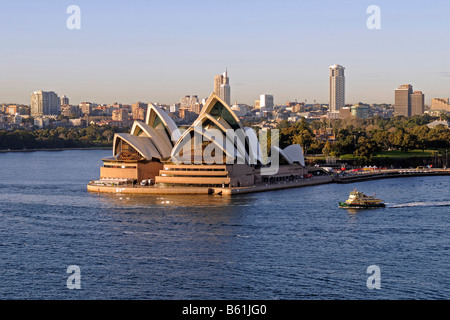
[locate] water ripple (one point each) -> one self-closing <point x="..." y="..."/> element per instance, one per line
<point x="290" y="244"/>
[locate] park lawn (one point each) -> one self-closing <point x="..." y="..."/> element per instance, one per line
<point x="396" y="154"/>
<point x="384" y="154"/>
<point x="401" y="154"/>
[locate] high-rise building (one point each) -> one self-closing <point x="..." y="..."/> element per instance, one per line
<point x="417" y="103"/>
<point x="408" y="102"/>
<point x="402" y="104"/>
<point x="222" y="87"/>
<point x="45" y="103"/>
<point x="266" y="102"/>
<point x="337" y="88"/>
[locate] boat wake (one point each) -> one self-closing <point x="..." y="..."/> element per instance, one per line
<point x="419" y="204"/>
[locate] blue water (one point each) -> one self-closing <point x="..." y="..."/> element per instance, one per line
<point x="289" y="244"/>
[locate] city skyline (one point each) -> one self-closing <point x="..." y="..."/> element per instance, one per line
<point x="148" y="51"/>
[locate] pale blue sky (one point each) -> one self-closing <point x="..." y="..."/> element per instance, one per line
<point x="159" y="51"/>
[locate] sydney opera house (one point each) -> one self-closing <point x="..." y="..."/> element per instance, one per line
<point x="216" y="154"/>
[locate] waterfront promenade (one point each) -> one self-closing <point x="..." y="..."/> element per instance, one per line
<point x="387" y="173"/>
<point x="156" y="189"/>
<point x="315" y="180"/>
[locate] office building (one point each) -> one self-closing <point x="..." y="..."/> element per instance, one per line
<point x="408" y="102"/>
<point x="417" y="103"/>
<point x="402" y="104"/>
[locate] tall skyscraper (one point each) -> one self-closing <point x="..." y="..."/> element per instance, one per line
<point x="408" y="102"/>
<point x="45" y="103"/>
<point x="222" y="87"/>
<point x="402" y="105"/>
<point x="337" y="88"/>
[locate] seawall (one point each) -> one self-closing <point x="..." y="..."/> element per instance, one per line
<point x="388" y="174"/>
<point x="316" y="180"/>
<point x="126" y="189"/>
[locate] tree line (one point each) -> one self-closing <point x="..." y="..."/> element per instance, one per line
<point x="365" y="137"/>
<point x="60" y="137"/>
<point x="360" y="137"/>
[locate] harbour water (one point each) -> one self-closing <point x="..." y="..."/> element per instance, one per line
<point x="289" y="244"/>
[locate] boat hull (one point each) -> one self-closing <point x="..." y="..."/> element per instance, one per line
<point x="361" y="206"/>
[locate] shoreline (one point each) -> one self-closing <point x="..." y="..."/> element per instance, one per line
<point x="139" y="190"/>
<point x="55" y="149"/>
<point x="316" y="180"/>
<point x="391" y="173"/>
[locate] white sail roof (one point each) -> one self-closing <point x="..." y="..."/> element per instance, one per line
<point x="143" y="145"/>
<point x="295" y="153"/>
<point x="159" y="119"/>
<point x="160" y="140"/>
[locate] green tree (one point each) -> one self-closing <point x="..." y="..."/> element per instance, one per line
<point x="304" y="138"/>
<point x="327" y="149"/>
<point x="365" y="149"/>
<point x="383" y="139"/>
<point x="108" y="134"/>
